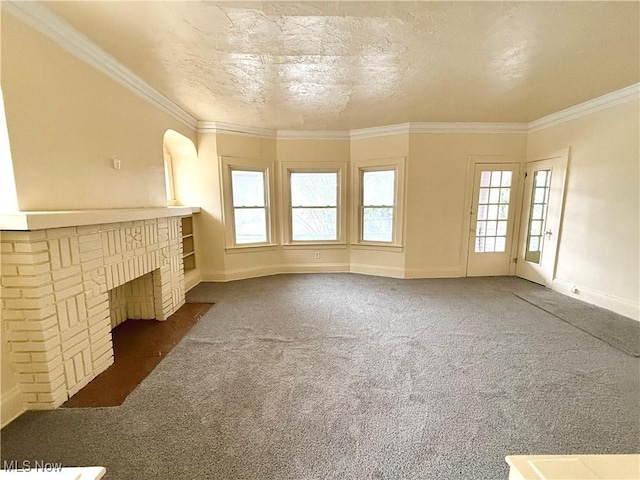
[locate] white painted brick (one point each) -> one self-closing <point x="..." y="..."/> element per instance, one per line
<point x="61" y="232"/>
<point x="92" y="255"/>
<point x="7" y="292"/>
<point x="6" y="247"/>
<point x="29" y="397"/>
<point x="17" y="336"/>
<point x="49" y="376"/>
<point x="20" y="357"/>
<point x="65" y="273"/>
<point x="19" y="236"/>
<point x="43" y="335"/>
<point x="7" y="270"/>
<point x="91" y="246"/>
<point x="35" y="387"/>
<point x="35" y="269"/>
<point x="27" y="281"/>
<point x="52" y="358"/>
<point x="37" y="292"/>
<point x="69" y="292"/>
<point x="92" y="265"/>
<point x="35" y="346"/>
<point x="44" y="312"/>
<point x="28" y="303"/>
<point x="24" y="258"/>
<point x="84" y="229"/>
<point x="25" y="378"/>
<point x="30" y="247"/>
<point x="75" y="349"/>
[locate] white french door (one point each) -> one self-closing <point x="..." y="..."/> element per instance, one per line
<point x="493" y="216"/>
<point x="541" y="217"/>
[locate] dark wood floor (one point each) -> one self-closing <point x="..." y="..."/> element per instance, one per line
<point x="138" y="345"/>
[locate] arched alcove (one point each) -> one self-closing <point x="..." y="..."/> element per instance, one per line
<point x="180" y="157"/>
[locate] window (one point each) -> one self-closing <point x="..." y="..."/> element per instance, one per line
<point x="313" y="199"/>
<point x="378" y="201"/>
<point x="314" y="206"/>
<point x="247" y="203"/>
<point x="249" y="206"/>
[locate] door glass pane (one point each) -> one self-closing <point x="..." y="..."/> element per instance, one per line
<point x="314" y="224"/>
<point x="537" y="216"/>
<point x="493" y="205"/>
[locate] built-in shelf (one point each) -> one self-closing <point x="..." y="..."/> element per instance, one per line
<point x="188" y="250"/>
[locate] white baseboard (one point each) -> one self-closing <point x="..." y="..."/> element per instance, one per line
<point x="263" y="271"/>
<point x="191" y="279"/>
<point x="376" y="270"/>
<point x="600" y="299"/>
<point x="11" y="406"/>
<point x="433" y="273"/>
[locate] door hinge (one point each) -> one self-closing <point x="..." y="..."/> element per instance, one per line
<point x="525" y="174"/>
<point x="515" y="259"/>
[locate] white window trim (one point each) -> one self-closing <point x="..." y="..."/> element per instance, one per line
<point x="227" y="164"/>
<point x="369" y="165"/>
<point x="287" y="168"/>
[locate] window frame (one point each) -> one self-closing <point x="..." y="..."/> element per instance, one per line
<point x="359" y="167"/>
<point x="338" y="168"/>
<point x="228" y="165"/>
<point x="169" y="184"/>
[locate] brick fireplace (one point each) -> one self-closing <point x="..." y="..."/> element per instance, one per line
<point x="61" y="288"/>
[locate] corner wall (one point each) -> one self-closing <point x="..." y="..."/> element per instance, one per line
<point x="598" y="251"/>
<point x="66" y="121"/>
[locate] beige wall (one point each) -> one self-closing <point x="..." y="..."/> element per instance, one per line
<point x="66" y="121"/>
<point x="437" y="187"/>
<point x="598" y="249"/>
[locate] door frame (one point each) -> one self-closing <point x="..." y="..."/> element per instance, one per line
<point x="472" y="162"/>
<point x="564" y="155"/>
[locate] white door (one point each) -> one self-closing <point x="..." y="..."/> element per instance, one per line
<point x="492" y="225"/>
<point x="542" y="208"/>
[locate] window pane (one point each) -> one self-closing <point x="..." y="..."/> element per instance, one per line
<point x="377" y="224"/>
<point x="501" y="243"/>
<point x="485" y="179"/>
<point x="493" y="212"/>
<point x="479" y="244"/>
<point x="494" y="195"/>
<point x="495" y="179"/>
<point x="314" y="224"/>
<point x="251" y="225"/>
<point x="482" y="212"/>
<point x="378" y="188"/>
<point x="537" y="216"/>
<point x="247" y="188"/>
<point x="506" y="179"/>
<point x="314" y="189"/>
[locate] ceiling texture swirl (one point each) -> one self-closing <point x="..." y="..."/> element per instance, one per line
<point x="348" y="65"/>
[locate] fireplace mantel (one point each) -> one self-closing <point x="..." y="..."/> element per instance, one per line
<point x="23" y="221"/>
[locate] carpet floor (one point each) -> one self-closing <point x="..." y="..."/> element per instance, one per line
<point x="333" y="376"/>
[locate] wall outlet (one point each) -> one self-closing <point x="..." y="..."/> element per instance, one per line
<point x="316" y="255"/>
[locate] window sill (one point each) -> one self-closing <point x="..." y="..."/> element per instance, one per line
<point x="377" y="246"/>
<point x="314" y="246"/>
<point x="251" y="248"/>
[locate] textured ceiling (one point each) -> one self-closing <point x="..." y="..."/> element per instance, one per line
<point x="340" y="65"/>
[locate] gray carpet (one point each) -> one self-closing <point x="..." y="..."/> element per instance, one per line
<point x="335" y="376"/>
<point x="618" y="331"/>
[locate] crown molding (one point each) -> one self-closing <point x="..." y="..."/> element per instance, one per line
<point x="594" y="105"/>
<point x="232" y="129"/>
<point x="313" y="135"/>
<point x="467" y="127"/>
<point x="47" y="23"/>
<point x="398" y="129"/>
